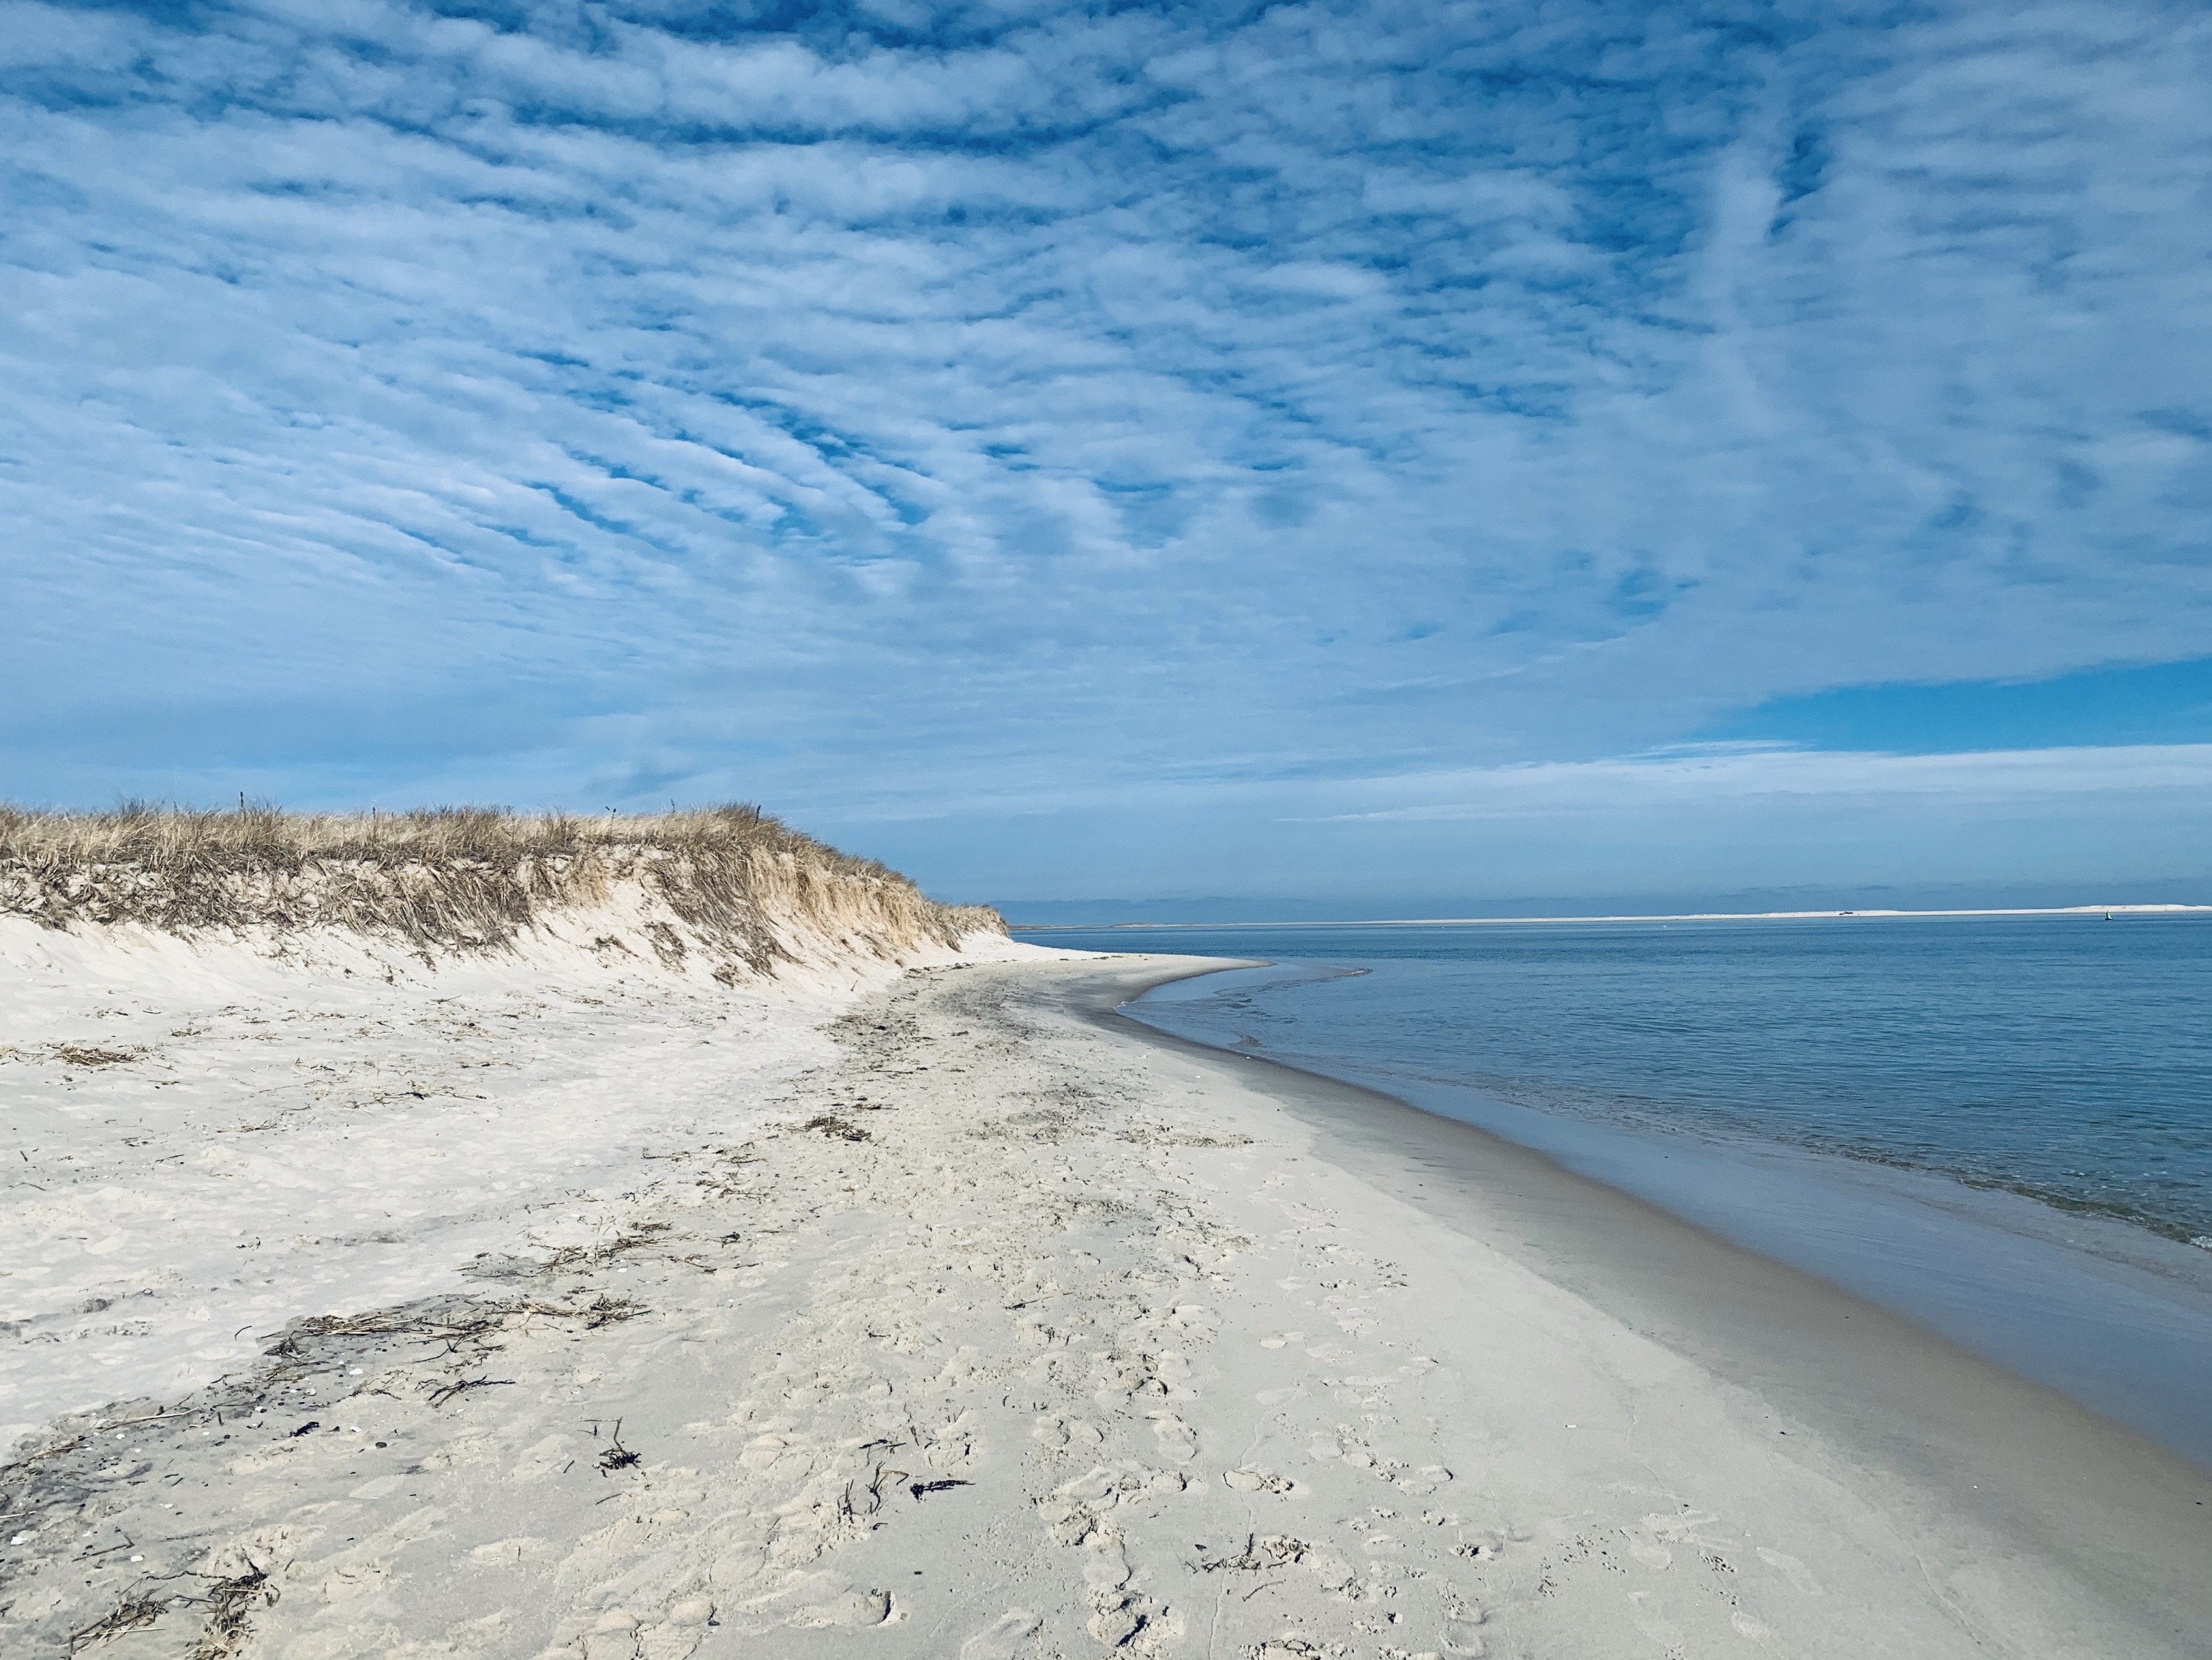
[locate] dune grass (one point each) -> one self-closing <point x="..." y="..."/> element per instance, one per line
<point x="452" y="879"/>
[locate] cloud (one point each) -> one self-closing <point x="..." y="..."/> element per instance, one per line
<point x="2088" y="825"/>
<point x="907" y="403"/>
<point x="1717" y="777"/>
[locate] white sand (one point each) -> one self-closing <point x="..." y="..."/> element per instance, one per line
<point x="1085" y="1345"/>
<point x="339" y="1127"/>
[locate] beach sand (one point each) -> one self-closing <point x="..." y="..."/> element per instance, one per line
<point x="952" y="1315"/>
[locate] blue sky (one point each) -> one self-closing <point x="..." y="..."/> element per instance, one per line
<point x="1399" y="454"/>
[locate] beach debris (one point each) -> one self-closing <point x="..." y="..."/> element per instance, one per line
<point x="88" y="1056"/>
<point x="829" y="1124"/>
<point x="134" y="1613"/>
<point x="605" y="1311"/>
<point x="461" y="1385"/>
<point x="633" y="1237"/>
<point x="228" y="1602"/>
<point x="616" y="1456"/>
<point x="1259" y="1555"/>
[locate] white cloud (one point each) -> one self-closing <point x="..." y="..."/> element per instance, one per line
<point x="1714" y="777"/>
<point x="1050" y="396"/>
<point x="1654" y="831"/>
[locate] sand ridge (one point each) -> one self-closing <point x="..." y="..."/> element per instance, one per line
<point x="988" y="1334"/>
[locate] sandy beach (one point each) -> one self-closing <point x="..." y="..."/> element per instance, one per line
<point x="1105" y="831"/>
<point x="944" y="1312"/>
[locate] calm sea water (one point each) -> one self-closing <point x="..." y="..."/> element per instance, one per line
<point x="2068" y="1059"/>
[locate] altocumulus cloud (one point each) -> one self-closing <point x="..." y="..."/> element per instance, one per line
<point x="865" y="408"/>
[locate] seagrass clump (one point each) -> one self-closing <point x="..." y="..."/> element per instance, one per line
<point x="458" y="879"/>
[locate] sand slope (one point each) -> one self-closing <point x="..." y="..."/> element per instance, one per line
<point x="208" y="1137"/>
<point x="985" y="1332"/>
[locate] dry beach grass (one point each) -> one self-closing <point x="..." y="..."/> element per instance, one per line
<point x="449" y="879"/>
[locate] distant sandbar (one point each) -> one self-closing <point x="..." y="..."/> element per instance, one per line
<point x="1683" y="917"/>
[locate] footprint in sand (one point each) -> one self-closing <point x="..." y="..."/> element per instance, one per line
<point x="1800" y="1577"/>
<point x="1004" y="1637"/>
<point x="613" y="1637"/>
<point x="1057" y="1431"/>
<point x="1684" y="1526"/>
<point x="1105" y="1564"/>
<point x="850" y="1609"/>
<point x="1650" y="1551"/>
<point x="1425" y="1480"/>
<point x="1177" y="1439"/>
<point x="1461" y="1636"/>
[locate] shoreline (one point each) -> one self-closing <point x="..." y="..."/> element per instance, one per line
<point x="2119" y="1318"/>
<point x="2022" y="1456"/>
<point x="999" y="1325"/>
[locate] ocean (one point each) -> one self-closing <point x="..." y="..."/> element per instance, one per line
<point x="2001" y="1126"/>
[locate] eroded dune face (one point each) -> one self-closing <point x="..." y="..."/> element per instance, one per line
<point x="730" y="886"/>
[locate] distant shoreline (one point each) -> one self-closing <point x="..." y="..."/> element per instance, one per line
<point x="1683" y="916"/>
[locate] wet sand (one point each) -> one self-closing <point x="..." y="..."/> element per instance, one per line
<point x="1937" y="1429"/>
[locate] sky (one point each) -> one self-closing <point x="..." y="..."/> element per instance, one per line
<point x="1105" y="458"/>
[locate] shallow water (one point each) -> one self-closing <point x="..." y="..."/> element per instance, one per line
<point x="2067" y="1058"/>
<point x="1816" y="1090"/>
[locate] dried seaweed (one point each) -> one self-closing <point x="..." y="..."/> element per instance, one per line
<point x="132" y="1613"/>
<point x="228" y="1603"/>
<point x="616" y="1456"/>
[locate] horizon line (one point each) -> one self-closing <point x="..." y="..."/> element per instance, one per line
<point x="1683" y="916"/>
